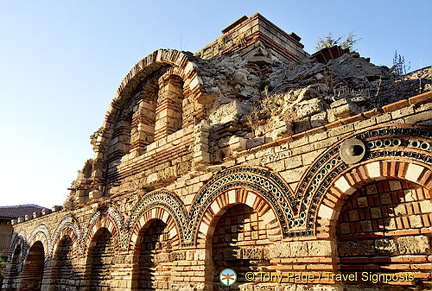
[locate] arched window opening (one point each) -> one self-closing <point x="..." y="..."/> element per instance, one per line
<point x="15" y="264"/>
<point x="144" y="115"/>
<point x="33" y="270"/>
<point x="234" y="243"/>
<point x="101" y="260"/>
<point x="384" y="228"/>
<point x="64" y="274"/>
<point x="121" y="138"/>
<point x="153" y="254"/>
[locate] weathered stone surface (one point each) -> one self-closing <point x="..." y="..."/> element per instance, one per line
<point x="365" y="248"/>
<point x="413" y="245"/>
<point x="214" y="160"/>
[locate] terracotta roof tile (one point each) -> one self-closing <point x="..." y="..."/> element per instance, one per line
<point x="14" y="211"/>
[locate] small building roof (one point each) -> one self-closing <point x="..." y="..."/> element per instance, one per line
<point x="14" y="211"/>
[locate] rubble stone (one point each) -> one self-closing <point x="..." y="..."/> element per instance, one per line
<point x="230" y="158"/>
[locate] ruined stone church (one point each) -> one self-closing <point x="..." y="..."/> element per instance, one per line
<point x="295" y="171"/>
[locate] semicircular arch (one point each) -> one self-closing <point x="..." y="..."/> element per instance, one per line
<point x="41" y="233"/>
<point x="18" y="239"/>
<point x="182" y="65"/>
<point x="392" y="152"/>
<point x="161" y="205"/>
<point x="69" y="226"/>
<point x="268" y="185"/>
<point x="352" y="179"/>
<point x="230" y="198"/>
<point x="109" y="218"/>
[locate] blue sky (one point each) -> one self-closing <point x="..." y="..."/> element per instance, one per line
<point x="62" y="61"/>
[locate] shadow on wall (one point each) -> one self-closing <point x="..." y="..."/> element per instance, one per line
<point x="238" y="225"/>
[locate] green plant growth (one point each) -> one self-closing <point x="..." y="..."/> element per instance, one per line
<point x="330" y="41"/>
<point x="2" y="266"/>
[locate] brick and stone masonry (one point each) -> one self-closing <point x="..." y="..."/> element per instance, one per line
<point x="250" y="155"/>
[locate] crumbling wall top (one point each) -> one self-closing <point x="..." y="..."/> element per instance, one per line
<point x="246" y="32"/>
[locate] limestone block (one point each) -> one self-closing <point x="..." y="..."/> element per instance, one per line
<point x="152" y="178"/>
<point x="390" y="223"/>
<point x="200" y="148"/>
<point x="413" y="172"/>
<point x="201" y="157"/>
<point x="415" y="221"/>
<point x="229" y="112"/>
<point x="237" y="143"/>
<point x="200" y="254"/>
<point x="426" y="206"/>
<point x="309" y="107"/>
<point x="95" y="194"/>
<point x="319" y="248"/>
<point x="274" y="127"/>
<point x="302" y="125"/>
<point x="376" y="212"/>
<point x="252" y="253"/>
<point x="344" y="108"/>
<point x="326" y="212"/>
<point x="251" y="143"/>
<point x="410" y="195"/>
<point x="356" y="248"/>
<point x="410" y="245"/>
<point x="362" y="202"/>
<point x="298" y="249"/>
<point x="395" y="185"/>
<point x="178" y="256"/>
<point x="319" y="119"/>
<point x="385" y="246"/>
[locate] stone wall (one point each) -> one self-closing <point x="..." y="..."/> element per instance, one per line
<point x="182" y="186"/>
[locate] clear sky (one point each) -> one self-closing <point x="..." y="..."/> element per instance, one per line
<point x="62" y="61"/>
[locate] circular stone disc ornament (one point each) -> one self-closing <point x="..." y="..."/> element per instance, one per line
<point x="352" y="151"/>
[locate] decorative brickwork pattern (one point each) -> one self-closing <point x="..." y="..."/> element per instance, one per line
<point x="234" y="242"/>
<point x="270" y="188"/>
<point x="386" y="227"/>
<point x="238" y="157"/>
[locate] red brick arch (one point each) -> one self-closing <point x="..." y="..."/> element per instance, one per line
<point x="67" y="227"/>
<point x="95" y="226"/>
<point x="41" y="233"/>
<point x="182" y="66"/>
<point x="68" y="231"/>
<point x="350" y="180"/>
<point x="147" y="218"/>
<point x="232" y="197"/>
